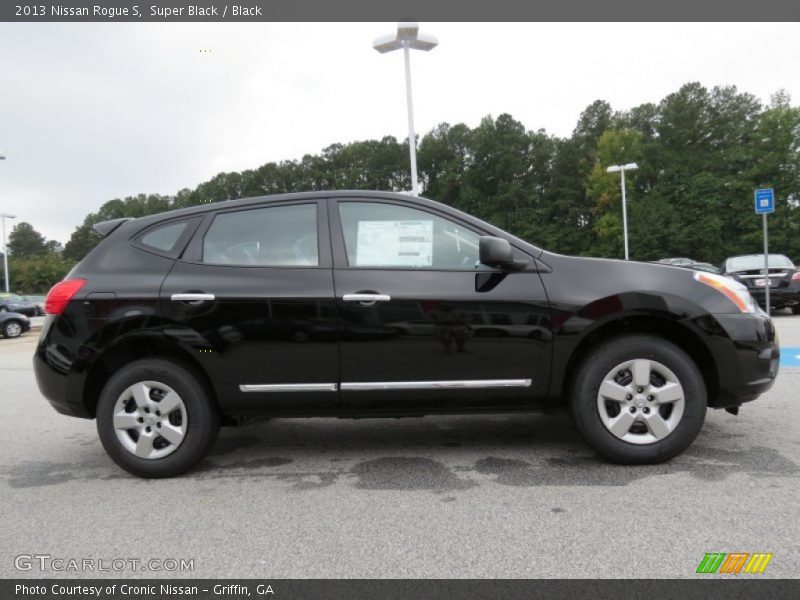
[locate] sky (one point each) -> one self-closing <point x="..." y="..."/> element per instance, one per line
<point x="96" y="111"/>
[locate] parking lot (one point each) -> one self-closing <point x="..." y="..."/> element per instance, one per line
<point x="477" y="496"/>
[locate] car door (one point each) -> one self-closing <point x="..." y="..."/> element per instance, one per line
<point x="424" y="326"/>
<point x="252" y="300"/>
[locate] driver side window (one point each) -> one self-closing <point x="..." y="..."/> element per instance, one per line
<point x="276" y="236"/>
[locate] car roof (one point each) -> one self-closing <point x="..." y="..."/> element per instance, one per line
<point x="314" y="195"/>
<point x="146" y="221"/>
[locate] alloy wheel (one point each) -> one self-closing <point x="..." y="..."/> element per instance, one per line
<point x="13" y="330"/>
<point x="150" y="419"/>
<point x="641" y="401"/>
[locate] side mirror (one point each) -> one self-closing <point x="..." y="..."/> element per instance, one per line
<point x="496" y="252"/>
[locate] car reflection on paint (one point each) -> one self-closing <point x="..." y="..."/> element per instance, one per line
<point x="485" y="323"/>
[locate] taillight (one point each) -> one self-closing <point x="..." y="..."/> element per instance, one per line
<point x="60" y="295"/>
<point x="796" y="276"/>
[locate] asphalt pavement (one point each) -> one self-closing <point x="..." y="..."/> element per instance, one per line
<point x="476" y="496"/>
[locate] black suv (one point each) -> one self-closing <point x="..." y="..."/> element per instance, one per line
<point x="352" y="304"/>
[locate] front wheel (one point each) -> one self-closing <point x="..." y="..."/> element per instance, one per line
<point x="638" y="400"/>
<point x="156" y="419"/>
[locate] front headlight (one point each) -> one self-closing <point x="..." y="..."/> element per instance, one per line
<point x="732" y="290"/>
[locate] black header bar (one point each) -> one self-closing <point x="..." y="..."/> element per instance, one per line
<point x="141" y="11"/>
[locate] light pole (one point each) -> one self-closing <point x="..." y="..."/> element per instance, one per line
<point x="3" y="217"/>
<point x="408" y="38"/>
<point x="5" y="245"/>
<point x="622" y="169"/>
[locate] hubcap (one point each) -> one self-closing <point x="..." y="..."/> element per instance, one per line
<point x="150" y="420"/>
<point x="640" y="401"/>
<point x="13" y="329"/>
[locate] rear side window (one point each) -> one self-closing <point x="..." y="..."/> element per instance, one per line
<point x="164" y="238"/>
<point x="169" y="238"/>
<point x="276" y="236"/>
<point x="756" y="261"/>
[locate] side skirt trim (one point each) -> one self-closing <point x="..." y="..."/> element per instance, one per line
<point x="290" y="387"/>
<point x="435" y="385"/>
<point x="365" y="386"/>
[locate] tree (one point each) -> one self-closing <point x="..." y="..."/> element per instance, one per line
<point x="614" y="147"/>
<point x="701" y="152"/>
<point x="24" y="240"/>
<point x="84" y="238"/>
<point x="37" y="274"/>
<point x="445" y="156"/>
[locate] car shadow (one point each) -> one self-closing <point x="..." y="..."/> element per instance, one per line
<point x="438" y="454"/>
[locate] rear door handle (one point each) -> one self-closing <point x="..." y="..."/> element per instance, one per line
<point x="366" y="299"/>
<point x="192" y="297"/>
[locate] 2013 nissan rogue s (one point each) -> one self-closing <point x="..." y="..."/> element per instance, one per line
<point x="353" y="304"/>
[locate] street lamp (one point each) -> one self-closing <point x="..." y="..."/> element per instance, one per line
<point x="622" y="169"/>
<point x="408" y="38"/>
<point x="3" y="217"/>
<point x="5" y="246"/>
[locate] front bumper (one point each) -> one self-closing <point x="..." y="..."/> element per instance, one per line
<point x="746" y="351"/>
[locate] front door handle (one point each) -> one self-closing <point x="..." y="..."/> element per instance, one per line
<point x="192" y="297"/>
<point x="366" y="299"/>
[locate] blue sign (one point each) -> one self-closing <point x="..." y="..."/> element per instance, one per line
<point x="765" y="201"/>
<point x="790" y="357"/>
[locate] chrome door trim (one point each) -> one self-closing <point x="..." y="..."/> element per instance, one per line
<point x="289" y="387"/>
<point x="472" y="384"/>
<point x="192" y="297"/>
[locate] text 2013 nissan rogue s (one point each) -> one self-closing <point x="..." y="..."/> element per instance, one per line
<point x="354" y="304"/>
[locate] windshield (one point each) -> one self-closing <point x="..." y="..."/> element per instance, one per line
<point x="5" y="296"/>
<point x="756" y="261"/>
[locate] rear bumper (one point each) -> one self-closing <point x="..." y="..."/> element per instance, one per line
<point x="57" y="388"/>
<point x="747" y="355"/>
<point x="59" y="382"/>
<point x="778" y="297"/>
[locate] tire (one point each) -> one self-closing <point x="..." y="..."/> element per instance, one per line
<point x="134" y="394"/>
<point x="12" y="329"/>
<point x="663" y="427"/>
<point x="796" y="309"/>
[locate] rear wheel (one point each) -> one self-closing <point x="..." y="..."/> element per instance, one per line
<point x="12" y="329"/>
<point x="156" y="419"/>
<point x="638" y="400"/>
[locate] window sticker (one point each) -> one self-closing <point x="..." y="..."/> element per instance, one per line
<point x="395" y="243"/>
